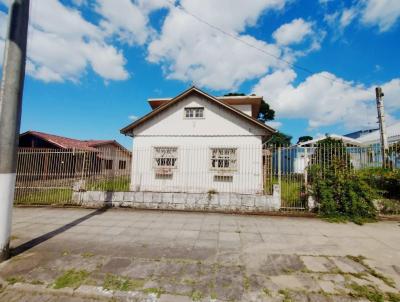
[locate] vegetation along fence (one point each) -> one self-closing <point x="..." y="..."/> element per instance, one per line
<point x="47" y="176"/>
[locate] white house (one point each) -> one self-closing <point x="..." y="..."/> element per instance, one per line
<point x="373" y="138"/>
<point x="199" y="143"/>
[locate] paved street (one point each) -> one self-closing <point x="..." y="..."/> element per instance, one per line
<point x="126" y="255"/>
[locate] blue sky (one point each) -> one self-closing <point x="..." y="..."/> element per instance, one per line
<point x="92" y="65"/>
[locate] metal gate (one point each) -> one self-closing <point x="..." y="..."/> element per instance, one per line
<point x="281" y="165"/>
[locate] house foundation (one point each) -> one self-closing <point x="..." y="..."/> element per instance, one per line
<point x="221" y="202"/>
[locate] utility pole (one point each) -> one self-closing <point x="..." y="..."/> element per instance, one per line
<point x="11" y="89"/>
<point x="382" y="125"/>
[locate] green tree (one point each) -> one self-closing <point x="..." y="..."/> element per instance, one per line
<point x="266" y="113"/>
<point x="331" y="153"/>
<point x="279" y="139"/>
<point x="234" y="94"/>
<point x="304" y="138"/>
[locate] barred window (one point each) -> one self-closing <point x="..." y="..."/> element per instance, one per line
<point x="165" y="157"/>
<point x="223" y="159"/>
<point x="195" y="112"/>
<point x="122" y="164"/>
<point x="109" y="164"/>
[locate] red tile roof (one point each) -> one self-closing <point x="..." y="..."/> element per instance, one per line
<point x="70" y="143"/>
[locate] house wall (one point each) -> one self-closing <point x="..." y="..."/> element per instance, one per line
<point x="244" y="108"/>
<point x="112" y="152"/>
<point x="194" y="138"/>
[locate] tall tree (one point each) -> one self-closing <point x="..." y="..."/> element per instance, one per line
<point x="266" y="113"/>
<point x="304" y="138"/>
<point x="279" y="139"/>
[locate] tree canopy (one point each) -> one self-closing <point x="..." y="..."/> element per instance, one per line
<point x="280" y="139"/>
<point x="304" y="138"/>
<point x="266" y="113"/>
<point x="234" y="94"/>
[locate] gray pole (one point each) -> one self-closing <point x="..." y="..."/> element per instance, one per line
<point x="10" y="113"/>
<point x="381" y="121"/>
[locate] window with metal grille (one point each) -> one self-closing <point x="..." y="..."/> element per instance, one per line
<point x="109" y="164"/>
<point x="223" y="159"/>
<point x="194" y="112"/>
<point x="122" y="164"/>
<point x="165" y="157"/>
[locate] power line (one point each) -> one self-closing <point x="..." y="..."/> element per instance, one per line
<point x="235" y="37"/>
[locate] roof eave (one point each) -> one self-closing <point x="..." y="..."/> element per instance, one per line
<point x="130" y="127"/>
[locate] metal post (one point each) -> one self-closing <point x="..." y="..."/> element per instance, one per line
<point x="280" y="166"/>
<point x="305" y="168"/>
<point x="381" y="121"/>
<point x="10" y="113"/>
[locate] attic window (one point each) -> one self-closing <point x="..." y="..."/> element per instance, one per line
<point x="194" y="112"/>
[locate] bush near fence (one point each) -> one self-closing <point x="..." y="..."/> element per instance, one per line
<point x="343" y="192"/>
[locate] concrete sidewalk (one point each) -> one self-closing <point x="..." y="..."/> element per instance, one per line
<point x="126" y="255"/>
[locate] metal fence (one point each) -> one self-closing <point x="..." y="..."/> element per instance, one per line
<point x="47" y="176"/>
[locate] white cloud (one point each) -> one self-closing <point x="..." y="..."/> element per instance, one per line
<point x="133" y="117"/>
<point x="192" y="51"/>
<point x="125" y="19"/>
<point x="274" y="124"/>
<point x="293" y="32"/>
<point x="62" y="45"/>
<point x="324" y="102"/>
<point x="383" y="13"/>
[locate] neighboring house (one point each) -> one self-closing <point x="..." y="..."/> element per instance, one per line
<point x="364" y="150"/>
<point x="56" y="154"/>
<point x="359" y="133"/>
<point x="301" y="153"/>
<point x="196" y="142"/>
<point x="373" y="138"/>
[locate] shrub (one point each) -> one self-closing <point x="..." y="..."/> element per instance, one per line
<point x="340" y="193"/>
<point x="385" y="181"/>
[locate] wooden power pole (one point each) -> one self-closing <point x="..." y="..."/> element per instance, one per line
<point x="382" y="125"/>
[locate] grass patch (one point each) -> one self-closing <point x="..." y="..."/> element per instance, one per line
<point x="120" y="183"/>
<point x="292" y="189"/>
<point x="361" y="260"/>
<point x="246" y="282"/>
<point x="196" y="295"/>
<point x="393" y="297"/>
<point x="286" y="295"/>
<point x="267" y="292"/>
<point x="366" y="291"/>
<point x="113" y="282"/>
<point x="47" y="196"/>
<point x="71" y="278"/>
<point x="15" y="279"/>
<point x="87" y="255"/>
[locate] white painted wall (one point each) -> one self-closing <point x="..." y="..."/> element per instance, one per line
<point x="194" y="137"/>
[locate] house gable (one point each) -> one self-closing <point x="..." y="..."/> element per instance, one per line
<point x="219" y="119"/>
